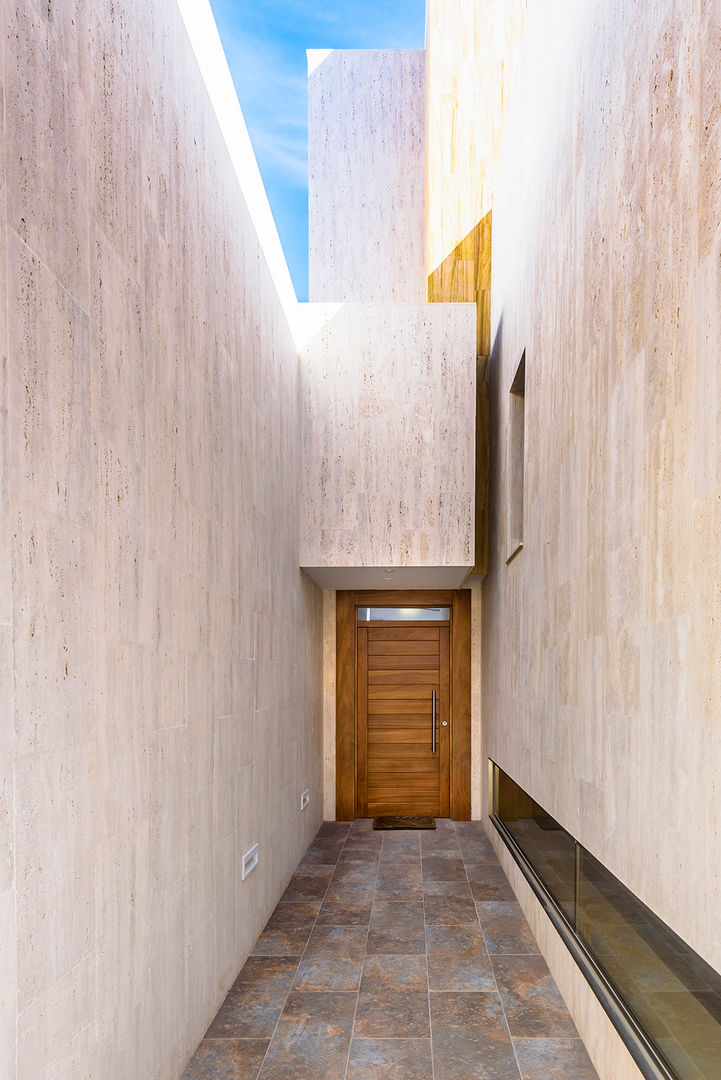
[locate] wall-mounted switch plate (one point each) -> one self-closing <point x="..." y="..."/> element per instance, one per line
<point x="305" y="799"/>
<point x="250" y="861"/>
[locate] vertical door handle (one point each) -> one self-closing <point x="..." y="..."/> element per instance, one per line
<point x="433" y="722"/>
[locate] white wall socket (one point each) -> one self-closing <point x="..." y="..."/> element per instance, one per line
<point x="250" y="861"/>
<point x="305" y="799"/>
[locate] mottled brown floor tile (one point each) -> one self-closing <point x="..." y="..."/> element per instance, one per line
<point x="488" y="882"/>
<point x="458" y="959"/>
<point x="443" y="868"/>
<point x="554" y="1059"/>
<point x="396" y="927"/>
<point x="287" y="930"/>
<point x="449" y="910"/>
<point x="534" y="1008"/>
<point x="477" y="848"/>
<point x="390" y="1059"/>
<point x="227" y="1059"/>
<point x="323" y="852"/>
<point x="394" y="973"/>
<point x="308" y="883"/>
<point x="392" y="1014"/>
<point x="361" y="826"/>
<point x="312" y="1038"/>
<point x="470" y="1038"/>
<point x="247" y="1014"/>
<point x="399" y="882"/>
<point x="358" y="872"/>
<point x="267" y="974"/>
<point x="505" y="927"/>
<point x="252" y="1008"/>
<point x="346" y="904"/>
<point x="333" y="959"/>
<point x="447" y="888"/>
<point x="333" y="829"/>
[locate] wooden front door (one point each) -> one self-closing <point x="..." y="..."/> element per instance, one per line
<point x="403" y="679"/>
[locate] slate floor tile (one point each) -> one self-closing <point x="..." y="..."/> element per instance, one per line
<point x="360" y="938"/>
<point x="488" y="882"/>
<point x="287" y="930"/>
<point x="458" y="959"/>
<point x="227" y="1059"/>
<point x="533" y="1005"/>
<point x="312" y="1039"/>
<point x="396" y="927"/>
<point x="390" y="1059"/>
<point x="346" y="904"/>
<point x="255" y="1001"/>
<point x="553" y="1059"/>
<point x="333" y="829"/>
<point x="247" y="1014"/>
<point x="394" y="972"/>
<point x="399" y="882"/>
<point x="470" y="1038"/>
<point x="392" y="1014"/>
<point x="359" y="872"/>
<point x="333" y="959"/>
<point x="449" y="910"/>
<point x="307" y="884"/>
<point x="505" y="927"/>
<point x="443" y="868"/>
<point x="323" y="852"/>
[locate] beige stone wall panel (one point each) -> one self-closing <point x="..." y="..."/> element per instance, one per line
<point x="388" y="408"/>
<point x="160" y="649"/>
<point x="601" y="638"/>
<point x="366" y="175"/>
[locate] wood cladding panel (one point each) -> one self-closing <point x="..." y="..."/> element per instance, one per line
<point x="345" y="734"/>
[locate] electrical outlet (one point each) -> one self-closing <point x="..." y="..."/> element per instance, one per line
<point x="250" y="861"/>
<point x="305" y="799"/>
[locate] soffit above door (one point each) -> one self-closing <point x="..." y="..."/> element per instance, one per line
<point x="381" y="577"/>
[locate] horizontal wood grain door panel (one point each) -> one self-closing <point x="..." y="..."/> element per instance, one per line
<point x="399" y="668"/>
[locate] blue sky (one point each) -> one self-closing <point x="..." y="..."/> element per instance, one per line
<point x="265" y="43"/>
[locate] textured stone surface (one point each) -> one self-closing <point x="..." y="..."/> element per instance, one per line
<point x="601" y="676"/>
<point x="388" y="411"/>
<point x="160" y="650"/>
<point x="366" y="175"/>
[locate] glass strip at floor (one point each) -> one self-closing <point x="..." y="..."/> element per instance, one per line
<point x="670" y="996"/>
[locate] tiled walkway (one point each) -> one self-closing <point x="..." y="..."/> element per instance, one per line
<point x="394" y="956"/>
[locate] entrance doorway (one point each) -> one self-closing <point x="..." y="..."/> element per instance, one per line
<point x="403" y="728"/>
<point x="403" y="704"/>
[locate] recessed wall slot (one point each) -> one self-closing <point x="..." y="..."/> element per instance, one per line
<point x="250" y="861"/>
<point x="305" y="799"/>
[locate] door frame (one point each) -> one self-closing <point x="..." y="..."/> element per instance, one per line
<point x="347" y="601"/>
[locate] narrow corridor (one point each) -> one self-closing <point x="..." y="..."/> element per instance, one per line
<point x="394" y="955"/>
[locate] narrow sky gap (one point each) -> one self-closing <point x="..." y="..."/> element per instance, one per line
<point x="265" y="45"/>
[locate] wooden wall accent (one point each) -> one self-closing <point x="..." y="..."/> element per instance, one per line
<point x="461" y="706"/>
<point x="345" y="722"/>
<point x="346" y="601"/>
<point x="465" y="276"/>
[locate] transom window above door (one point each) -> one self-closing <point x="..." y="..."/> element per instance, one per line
<point x="404" y="614"/>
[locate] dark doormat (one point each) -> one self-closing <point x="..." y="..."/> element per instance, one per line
<point x="403" y="823"/>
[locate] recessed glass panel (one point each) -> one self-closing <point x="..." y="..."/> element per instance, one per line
<point x="404" y="614"/>
<point x="673" y="995"/>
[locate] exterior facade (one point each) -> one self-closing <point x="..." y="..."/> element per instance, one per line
<point x="507" y="380"/>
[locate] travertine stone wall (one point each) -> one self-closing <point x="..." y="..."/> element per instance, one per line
<point x="160" y="650"/>
<point x="388" y="411"/>
<point x="470" y="56"/>
<point x="602" y="639"/>
<point x="366" y="175"/>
